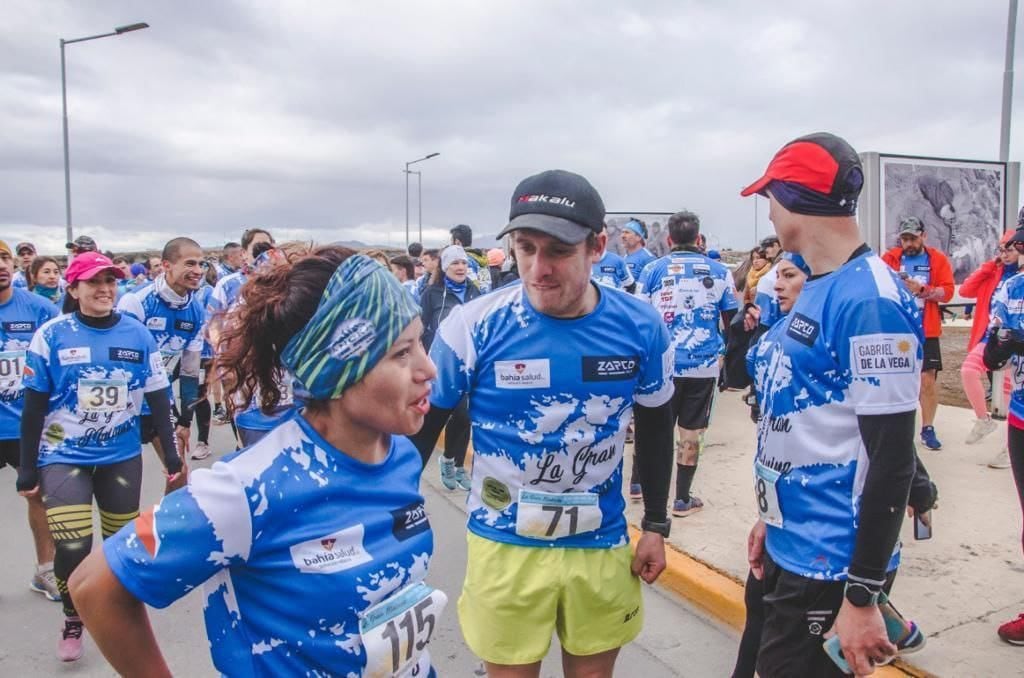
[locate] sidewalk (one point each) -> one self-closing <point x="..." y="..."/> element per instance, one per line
<point x="958" y="586"/>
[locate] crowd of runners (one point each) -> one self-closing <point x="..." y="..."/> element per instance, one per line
<point x="339" y="371"/>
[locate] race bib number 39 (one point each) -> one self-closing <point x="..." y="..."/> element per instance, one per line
<point x="12" y="364"/>
<point x="767" y="494"/>
<point x="549" y="515"/>
<point x="102" y="395"/>
<point x="396" y="631"/>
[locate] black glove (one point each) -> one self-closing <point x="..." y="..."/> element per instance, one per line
<point x="28" y="478"/>
<point x="923" y="497"/>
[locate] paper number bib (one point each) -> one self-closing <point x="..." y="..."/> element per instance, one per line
<point x="550" y="515"/>
<point x="767" y="494"/>
<point x="12" y="363"/>
<point x="102" y="395"/>
<point x="395" y="632"/>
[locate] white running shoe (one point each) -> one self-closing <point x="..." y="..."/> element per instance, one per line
<point x="981" y="428"/>
<point x="202" y="451"/>
<point x="1001" y="460"/>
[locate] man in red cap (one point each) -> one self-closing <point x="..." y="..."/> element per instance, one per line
<point x="838" y="380"/>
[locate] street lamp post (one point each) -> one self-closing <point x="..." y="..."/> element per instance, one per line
<point x="419" y="200"/>
<point x="407" y="173"/>
<point x="64" y="102"/>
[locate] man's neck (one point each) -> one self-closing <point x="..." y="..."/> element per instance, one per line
<point x="6" y="294"/>
<point x="634" y="249"/>
<point x="827" y="246"/>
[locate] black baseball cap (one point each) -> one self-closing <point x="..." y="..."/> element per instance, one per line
<point x="561" y="204"/>
<point x="82" y="243"/>
<point x="25" y="246"/>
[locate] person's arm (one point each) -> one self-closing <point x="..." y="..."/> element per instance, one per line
<point x="940" y="288"/>
<point x="32" y="418"/>
<point x="116" y="619"/>
<point x="130" y="304"/>
<point x="654" y="455"/>
<point x="970" y="287"/>
<point x="1000" y="347"/>
<point x="160" y="407"/>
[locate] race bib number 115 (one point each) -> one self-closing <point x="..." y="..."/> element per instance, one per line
<point x="396" y="631"/>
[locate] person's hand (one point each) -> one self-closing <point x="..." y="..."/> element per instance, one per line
<point x="176" y="481"/>
<point x="915" y="286"/>
<point x="751" y="318"/>
<point x="862" y="637"/>
<point x="27" y="483"/>
<point x="649" y="559"/>
<point x="926" y="516"/>
<point x="755" y="549"/>
<point x="182" y="435"/>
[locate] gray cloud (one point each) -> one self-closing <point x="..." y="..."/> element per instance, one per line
<point x="300" y="116"/>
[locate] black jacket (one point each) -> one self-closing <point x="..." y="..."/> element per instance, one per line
<point x="437" y="302"/>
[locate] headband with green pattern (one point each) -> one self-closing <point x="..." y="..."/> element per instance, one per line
<point x="362" y="312"/>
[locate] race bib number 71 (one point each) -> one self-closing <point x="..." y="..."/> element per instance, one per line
<point x="551" y="515"/>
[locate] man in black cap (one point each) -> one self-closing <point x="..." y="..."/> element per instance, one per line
<point x="554" y="368"/>
<point x="838" y="382"/>
<point x="82" y="243"/>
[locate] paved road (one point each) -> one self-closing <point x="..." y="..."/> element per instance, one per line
<point x="676" y="641"/>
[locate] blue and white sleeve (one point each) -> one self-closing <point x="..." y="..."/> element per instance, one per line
<point x="881" y="348"/>
<point x="131" y="305"/>
<point x="454" y="355"/>
<point x="36" y="374"/>
<point x="654" y="380"/>
<point x="184" y="540"/>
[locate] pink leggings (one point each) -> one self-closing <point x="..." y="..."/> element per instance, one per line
<point x="971" y="374"/>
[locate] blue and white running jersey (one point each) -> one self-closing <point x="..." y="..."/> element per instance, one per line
<point x="480" y="275"/>
<point x="223" y="270"/>
<point x="550" y="400"/>
<point x="690" y="292"/>
<point x="611" y="271"/>
<point x="18" y="280"/>
<point x="1008" y="308"/>
<point x="20" y="317"/>
<point x="291" y="540"/>
<point x="226" y="292"/>
<point x="203" y="295"/>
<point x="917" y="267"/>
<point x="175" y="328"/>
<point x="766" y="299"/>
<point x="96" y="380"/>
<point x="636" y="261"/>
<point x="815" y="375"/>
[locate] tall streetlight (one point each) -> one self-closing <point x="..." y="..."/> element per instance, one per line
<point x="407" y="173"/>
<point x="419" y="200"/>
<point x="64" y="100"/>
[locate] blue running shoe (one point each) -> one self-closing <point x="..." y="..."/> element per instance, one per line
<point x="928" y="438"/>
<point x="447" y="467"/>
<point x="636" y="493"/>
<point x="682" y="508"/>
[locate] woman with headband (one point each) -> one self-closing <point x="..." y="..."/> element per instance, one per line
<point x="312" y="544"/>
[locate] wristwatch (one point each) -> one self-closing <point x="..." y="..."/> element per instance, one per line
<point x="861" y="595"/>
<point x="662" y="528"/>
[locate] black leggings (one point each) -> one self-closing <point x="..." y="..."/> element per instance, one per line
<point x="456" y="434"/>
<point x="750" y="641"/>
<point x="1015" y="442"/>
<point x="203" y="415"/>
<point x="67" y="494"/>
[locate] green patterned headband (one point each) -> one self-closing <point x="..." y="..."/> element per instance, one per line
<point x="361" y="314"/>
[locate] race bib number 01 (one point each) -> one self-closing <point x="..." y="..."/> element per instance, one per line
<point x="12" y="364"/>
<point x="767" y="494"/>
<point x="551" y="515"/>
<point x="396" y="631"/>
<point x="102" y="395"/>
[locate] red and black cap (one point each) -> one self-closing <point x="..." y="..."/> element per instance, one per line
<point x="822" y="163"/>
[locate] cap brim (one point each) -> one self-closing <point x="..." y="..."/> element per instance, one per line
<point x="1018" y="236"/>
<point x="91" y="273"/>
<point x="565" y="230"/>
<point x="912" y="231"/>
<point x="756" y="187"/>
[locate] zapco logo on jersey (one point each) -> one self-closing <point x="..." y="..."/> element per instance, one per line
<point x="610" y="367"/>
<point x="184" y="325"/>
<point x="409" y="521"/>
<point x="127" y="355"/>
<point x="331" y="553"/>
<point x="20" y="326"/>
<point x="803" y="329"/>
<point x="522" y="373"/>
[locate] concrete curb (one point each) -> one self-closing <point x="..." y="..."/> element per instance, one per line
<point x="721" y="596"/>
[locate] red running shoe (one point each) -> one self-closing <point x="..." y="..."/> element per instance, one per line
<point x="1013" y="631"/>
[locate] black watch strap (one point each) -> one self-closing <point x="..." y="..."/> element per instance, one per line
<point x="861" y="595"/>
<point x="662" y="528"/>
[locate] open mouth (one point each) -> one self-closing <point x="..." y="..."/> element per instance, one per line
<point x="422" y="406"/>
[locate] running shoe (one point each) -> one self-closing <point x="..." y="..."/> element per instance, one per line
<point x="636" y="493"/>
<point x="448" y="473"/>
<point x="1001" y="460"/>
<point x="1013" y="631"/>
<point x="69" y="647"/>
<point x="629" y="434"/>
<point x="45" y="582"/>
<point x="202" y="451"/>
<point x="981" y="428"/>
<point x="220" y="415"/>
<point x="928" y="438"/>
<point x="912" y="642"/>
<point x="462" y="479"/>
<point x="681" y="508"/>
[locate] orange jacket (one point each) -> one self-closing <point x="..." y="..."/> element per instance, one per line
<point x="939" y="290"/>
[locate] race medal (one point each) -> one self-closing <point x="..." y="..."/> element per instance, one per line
<point x="767" y="494"/>
<point x="102" y="395"/>
<point x="396" y="631"/>
<point x="12" y="364"/>
<point x="553" y="515"/>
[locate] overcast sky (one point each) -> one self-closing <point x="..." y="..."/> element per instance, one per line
<point x="299" y="116"/>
